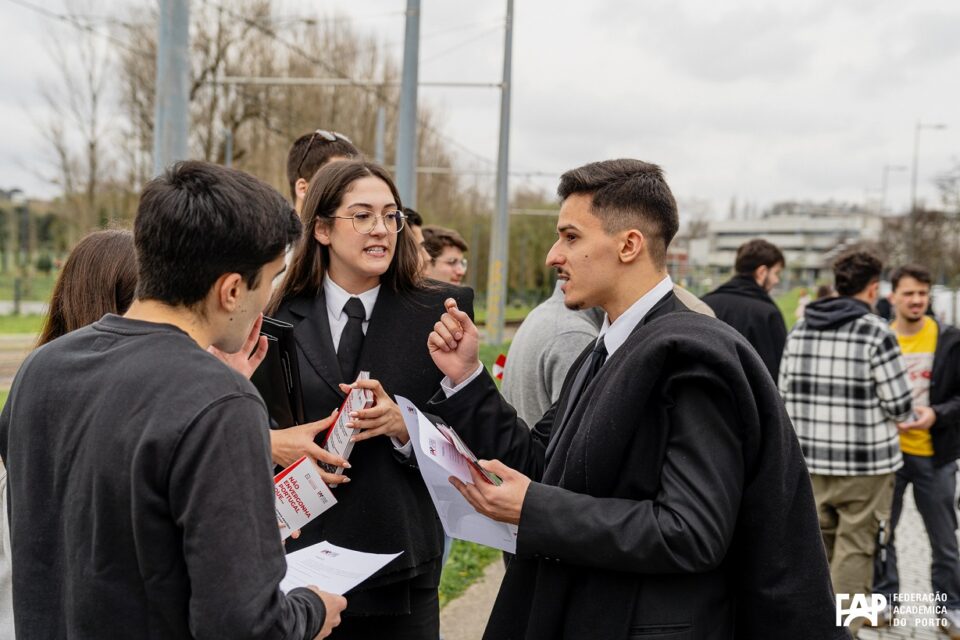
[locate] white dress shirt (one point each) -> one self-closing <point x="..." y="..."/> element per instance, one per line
<point x="614" y="335"/>
<point x="337" y="297"/>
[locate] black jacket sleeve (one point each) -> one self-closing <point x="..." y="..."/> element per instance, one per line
<point x="221" y="496"/>
<point x="492" y="428"/>
<point x="686" y="528"/>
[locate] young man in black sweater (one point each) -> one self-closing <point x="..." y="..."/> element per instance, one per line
<point x="141" y="498"/>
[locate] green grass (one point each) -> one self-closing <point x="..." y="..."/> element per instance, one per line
<point x="788" y="302"/>
<point x="36" y="287"/>
<point x="511" y="314"/>
<point x="21" y="324"/>
<point x="464" y="567"/>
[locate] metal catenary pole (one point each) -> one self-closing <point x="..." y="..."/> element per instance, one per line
<point x="172" y="85"/>
<point x="499" y="237"/>
<point x="406" y="160"/>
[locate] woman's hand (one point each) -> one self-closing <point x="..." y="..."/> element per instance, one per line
<point x="290" y="444"/>
<point x="382" y="419"/>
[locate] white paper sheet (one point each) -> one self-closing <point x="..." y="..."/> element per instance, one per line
<point x="438" y="460"/>
<point x="331" y="568"/>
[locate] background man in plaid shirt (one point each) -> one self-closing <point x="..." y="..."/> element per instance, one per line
<point x="845" y="388"/>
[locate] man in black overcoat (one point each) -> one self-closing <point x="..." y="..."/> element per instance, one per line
<point x="744" y="301"/>
<point x="664" y="495"/>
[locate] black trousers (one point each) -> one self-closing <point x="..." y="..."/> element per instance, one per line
<point x="422" y="623"/>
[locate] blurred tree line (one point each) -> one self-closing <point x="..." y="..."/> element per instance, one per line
<point x="931" y="234"/>
<point x="99" y="133"/>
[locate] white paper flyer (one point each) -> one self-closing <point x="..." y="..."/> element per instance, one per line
<point x="338" y="437"/>
<point x="301" y="495"/>
<point x="331" y="568"/>
<point x="438" y="459"/>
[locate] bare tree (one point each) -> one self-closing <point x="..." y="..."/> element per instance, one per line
<point x="75" y="127"/>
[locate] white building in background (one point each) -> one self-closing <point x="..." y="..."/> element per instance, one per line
<point x="809" y="235"/>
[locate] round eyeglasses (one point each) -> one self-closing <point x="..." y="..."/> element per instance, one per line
<point x="366" y="221"/>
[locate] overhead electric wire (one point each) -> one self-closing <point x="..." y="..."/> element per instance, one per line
<point x="72" y="21"/>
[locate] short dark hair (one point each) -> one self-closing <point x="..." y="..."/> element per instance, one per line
<point x="413" y="217"/>
<point x="855" y="270"/>
<point x="311" y="151"/>
<point x="916" y="271"/>
<point x="199" y="221"/>
<point x="435" y="239"/>
<point x="99" y="277"/>
<point x="627" y="194"/>
<point x="757" y="253"/>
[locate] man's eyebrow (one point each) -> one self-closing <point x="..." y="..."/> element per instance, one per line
<point x="389" y="205"/>
<point x="567" y="227"/>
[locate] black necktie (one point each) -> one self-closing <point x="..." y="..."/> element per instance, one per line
<point x="591" y="367"/>
<point x="351" y="340"/>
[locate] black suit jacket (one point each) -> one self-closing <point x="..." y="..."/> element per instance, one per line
<point x="385" y="507"/>
<point x="671" y="501"/>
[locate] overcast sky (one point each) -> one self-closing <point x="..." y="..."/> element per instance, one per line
<point x="756" y="100"/>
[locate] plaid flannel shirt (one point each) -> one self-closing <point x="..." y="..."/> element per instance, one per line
<point x="845" y="388"/>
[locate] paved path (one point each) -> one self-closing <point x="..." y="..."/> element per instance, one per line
<point x="13" y="349"/>
<point x="913" y="551"/>
<point x="466" y="617"/>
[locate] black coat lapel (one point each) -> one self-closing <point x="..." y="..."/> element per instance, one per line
<point x="564" y="411"/>
<point x="314" y="338"/>
<point x="667" y="304"/>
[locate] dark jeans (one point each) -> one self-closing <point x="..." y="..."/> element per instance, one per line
<point x="933" y="491"/>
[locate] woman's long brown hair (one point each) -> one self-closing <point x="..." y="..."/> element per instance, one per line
<point x="311" y="259"/>
<point x="99" y="277"/>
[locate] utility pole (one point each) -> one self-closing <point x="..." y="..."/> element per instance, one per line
<point x="884" y="183"/>
<point x="913" y="182"/>
<point x="499" y="236"/>
<point x="172" y="115"/>
<point x="228" y="150"/>
<point x="380" y="153"/>
<point x="406" y="160"/>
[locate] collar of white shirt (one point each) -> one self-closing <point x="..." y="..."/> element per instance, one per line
<point x="615" y="334"/>
<point x="337" y="297"/>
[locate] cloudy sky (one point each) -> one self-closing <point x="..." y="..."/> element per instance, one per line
<point x="756" y="100"/>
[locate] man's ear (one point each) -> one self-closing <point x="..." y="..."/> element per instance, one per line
<point x="300" y="186"/>
<point x="760" y="274"/>
<point x="321" y="233"/>
<point x="632" y="245"/>
<point x="227" y="291"/>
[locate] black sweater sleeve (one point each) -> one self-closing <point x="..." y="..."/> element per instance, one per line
<point x="221" y="497"/>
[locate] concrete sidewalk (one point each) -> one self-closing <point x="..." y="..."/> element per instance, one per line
<point x="466" y="617"/>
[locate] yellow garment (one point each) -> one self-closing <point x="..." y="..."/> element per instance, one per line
<point x="918" y="352"/>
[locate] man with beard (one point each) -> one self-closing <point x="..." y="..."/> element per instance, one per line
<point x="745" y="304"/>
<point x="930" y="442"/>
<point x="664" y="493"/>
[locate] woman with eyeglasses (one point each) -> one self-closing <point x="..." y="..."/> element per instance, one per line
<point x="355" y="296"/>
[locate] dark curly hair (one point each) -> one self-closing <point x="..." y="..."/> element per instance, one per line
<point x="855" y="270"/>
